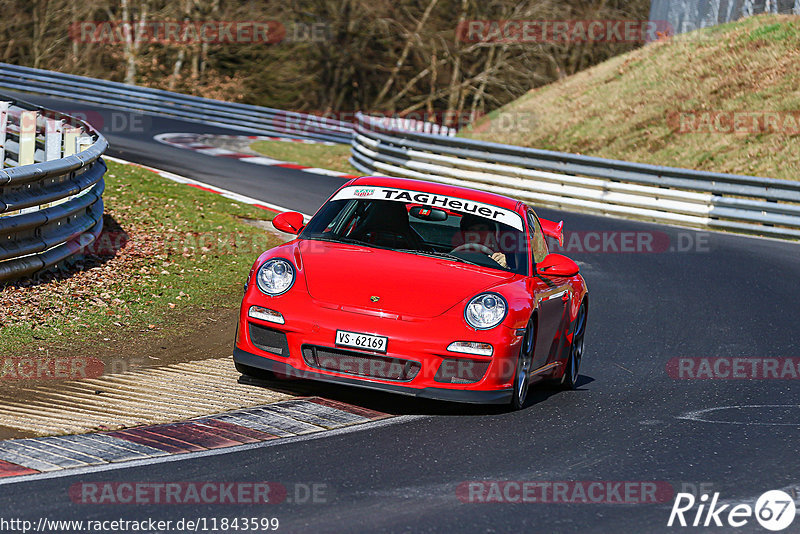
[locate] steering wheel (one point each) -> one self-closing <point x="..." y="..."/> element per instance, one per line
<point x="474" y="247"/>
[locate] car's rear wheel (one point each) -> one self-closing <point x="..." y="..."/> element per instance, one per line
<point x="523" y="370"/>
<point x="570" y="378"/>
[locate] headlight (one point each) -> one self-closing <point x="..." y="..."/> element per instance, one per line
<point x="275" y="277"/>
<point x="485" y="311"/>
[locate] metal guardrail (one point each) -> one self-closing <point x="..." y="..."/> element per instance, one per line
<point x="51" y="186"/>
<point x="411" y="125"/>
<point x="415" y="149"/>
<point x="764" y="206"/>
<point x="106" y="94"/>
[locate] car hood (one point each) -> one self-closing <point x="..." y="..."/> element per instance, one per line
<point x="406" y="284"/>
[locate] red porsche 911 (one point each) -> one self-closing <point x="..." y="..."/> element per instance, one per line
<point x="417" y="288"/>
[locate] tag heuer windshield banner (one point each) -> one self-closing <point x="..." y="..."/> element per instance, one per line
<point x="501" y="215"/>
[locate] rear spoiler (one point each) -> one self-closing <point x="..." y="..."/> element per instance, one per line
<point x="553" y="229"/>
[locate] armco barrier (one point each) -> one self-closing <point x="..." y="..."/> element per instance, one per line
<point x="114" y="95"/>
<point x="764" y="206"/>
<point x="51" y="186"/>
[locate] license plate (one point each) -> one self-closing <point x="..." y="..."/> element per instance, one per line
<point x="361" y="341"/>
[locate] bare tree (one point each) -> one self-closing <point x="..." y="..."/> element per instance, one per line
<point x="390" y="55"/>
<point x="133" y="32"/>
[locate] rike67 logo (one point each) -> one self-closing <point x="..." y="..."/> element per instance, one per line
<point x="774" y="510"/>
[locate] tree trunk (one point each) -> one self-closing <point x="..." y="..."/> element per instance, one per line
<point x="455" y="87"/>
<point x="132" y="39"/>
<point x="176" y="69"/>
<point x="404" y="54"/>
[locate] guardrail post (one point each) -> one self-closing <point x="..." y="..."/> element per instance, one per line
<point x="27" y="137"/>
<point x="53" y="139"/>
<point x="71" y="141"/>
<point x="27" y="146"/>
<point x="83" y="142"/>
<point x="52" y="150"/>
<point x="3" y="125"/>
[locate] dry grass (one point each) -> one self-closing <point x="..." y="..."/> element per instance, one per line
<point x="625" y="108"/>
<point x="332" y="157"/>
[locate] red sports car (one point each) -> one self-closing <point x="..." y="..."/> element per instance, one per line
<point x="417" y="288"/>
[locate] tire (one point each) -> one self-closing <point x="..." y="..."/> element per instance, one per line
<point x="523" y="368"/>
<point x="569" y="380"/>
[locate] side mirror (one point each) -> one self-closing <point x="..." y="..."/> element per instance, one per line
<point x="290" y="222"/>
<point x="557" y="265"/>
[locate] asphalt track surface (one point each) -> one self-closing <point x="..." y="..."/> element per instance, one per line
<point x="728" y="296"/>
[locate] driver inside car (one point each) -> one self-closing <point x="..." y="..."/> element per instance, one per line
<point x="479" y="234"/>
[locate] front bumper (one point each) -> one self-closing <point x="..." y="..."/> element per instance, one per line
<point x="502" y="396"/>
<point x="416" y="361"/>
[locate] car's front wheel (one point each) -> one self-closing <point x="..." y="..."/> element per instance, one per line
<point x="570" y="378"/>
<point x="523" y="370"/>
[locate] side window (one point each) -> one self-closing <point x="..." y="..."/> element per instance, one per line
<point x="538" y="242"/>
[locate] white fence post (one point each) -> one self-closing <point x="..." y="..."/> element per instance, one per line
<point x="52" y="149"/>
<point x="27" y="137"/>
<point x="71" y="141"/>
<point x="3" y="130"/>
<point x="3" y="125"/>
<point x="53" y="139"/>
<point x="83" y="142"/>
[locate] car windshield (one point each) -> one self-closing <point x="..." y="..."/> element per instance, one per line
<point x="425" y="224"/>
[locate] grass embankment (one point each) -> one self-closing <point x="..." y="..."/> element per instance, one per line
<point x="167" y="251"/>
<point x="631" y="106"/>
<point x="333" y="157"/>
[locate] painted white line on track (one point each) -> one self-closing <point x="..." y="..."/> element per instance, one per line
<point x="191" y="141"/>
<point x="700" y="415"/>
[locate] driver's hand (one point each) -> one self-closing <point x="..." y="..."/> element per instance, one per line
<point x="500" y="258"/>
